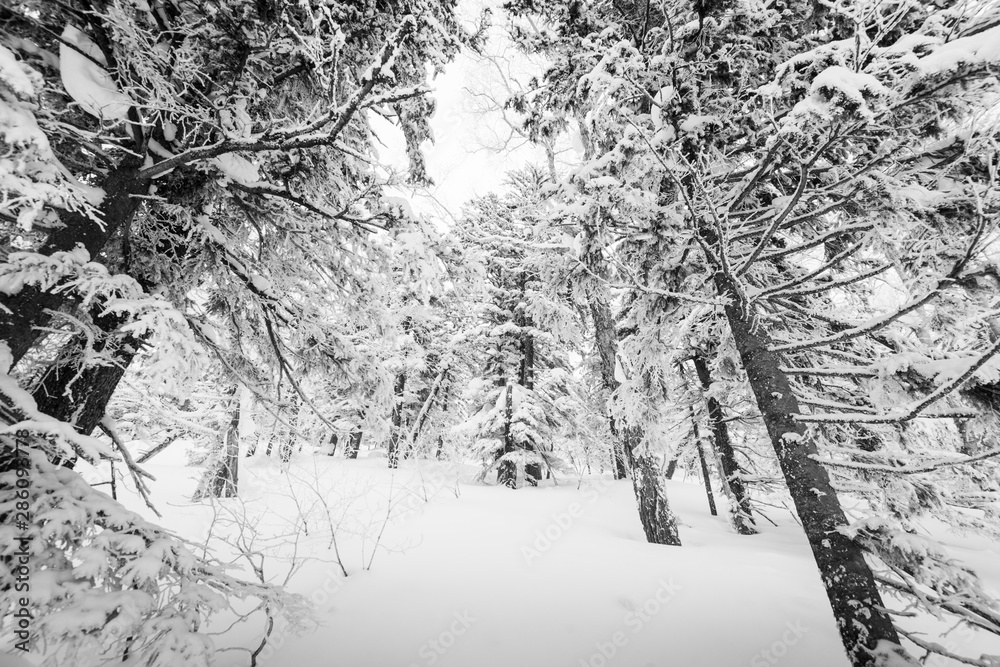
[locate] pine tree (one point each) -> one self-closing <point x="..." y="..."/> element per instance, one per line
<point x="754" y="136"/>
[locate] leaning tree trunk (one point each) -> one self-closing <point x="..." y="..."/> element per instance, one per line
<point x="706" y="477"/>
<point x="24" y="314"/>
<point x="81" y="396"/>
<point x="430" y="396"/>
<point x="658" y="521"/>
<point x="849" y="582"/>
<point x="353" y="444"/>
<point x="222" y="479"/>
<point x="733" y="480"/>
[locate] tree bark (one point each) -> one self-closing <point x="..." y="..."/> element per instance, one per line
<point x="81" y="396"/>
<point x="397" y="420"/>
<point x="532" y="471"/>
<point x="29" y="308"/>
<point x="288" y="444"/>
<point x="507" y="470"/>
<point x="848" y="580"/>
<point x="222" y="479"/>
<point x="704" y="473"/>
<point x="658" y="521"/>
<point x="732" y="475"/>
<point x="606" y="342"/>
<point x="429" y="396"/>
<point x="275" y="434"/>
<point x="354" y="444"/>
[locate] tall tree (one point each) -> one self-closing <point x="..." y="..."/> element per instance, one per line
<point x="761" y="134"/>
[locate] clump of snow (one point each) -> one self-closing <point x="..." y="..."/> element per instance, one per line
<point x="695" y="123"/>
<point x="31" y="178"/>
<point x="237" y="168"/>
<point x="983" y="47"/>
<point x="844" y="87"/>
<point x="14" y="75"/>
<point x="88" y="82"/>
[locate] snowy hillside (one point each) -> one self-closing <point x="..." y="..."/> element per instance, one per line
<point x="465" y="574"/>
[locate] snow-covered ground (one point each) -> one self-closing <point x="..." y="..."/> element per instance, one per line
<point x="466" y="575"/>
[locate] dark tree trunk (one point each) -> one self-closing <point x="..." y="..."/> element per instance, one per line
<point x="222" y="480"/>
<point x="704" y="468"/>
<point x="288" y="444"/>
<point x="606" y="342"/>
<point x="81" y="397"/>
<point x="353" y="444"/>
<point x="658" y="521"/>
<point x="733" y="480"/>
<point x="618" y="454"/>
<point x="848" y="580"/>
<point x="333" y="445"/>
<point x="29" y="308"/>
<point x="507" y="470"/>
<point x="275" y="434"/>
<point x="429" y="396"/>
<point x="672" y="467"/>
<point x="397" y="420"/>
<point x="532" y="471"/>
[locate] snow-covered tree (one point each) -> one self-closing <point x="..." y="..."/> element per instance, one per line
<point x="768" y="165"/>
<point x="525" y="374"/>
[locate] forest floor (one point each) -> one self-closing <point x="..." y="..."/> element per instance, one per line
<point x="449" y="572"/>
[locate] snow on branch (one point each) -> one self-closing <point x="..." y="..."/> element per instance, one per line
<point x="311" y="135"/>
<point x="914" y="410"/>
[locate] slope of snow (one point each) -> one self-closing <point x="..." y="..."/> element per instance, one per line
<point x="469" y="575"/>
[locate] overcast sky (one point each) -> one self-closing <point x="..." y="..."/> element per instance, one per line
<point x="469" y="156"/>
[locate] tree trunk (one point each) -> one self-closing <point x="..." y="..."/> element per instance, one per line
<point x="704" y="472"/>
<point x="606" y="342"/>
<point x="732" y="475"/>
<point x="353" y="445"/>
<point x="848" y="580"/>
<point x="288" y="444"/>
<point x="507" y="470"/>
<point x="333" y="445"/>
<point x="222" y="479"/>
<point x="532" y="471"/>
<point x="29" y="310"/>
<point x="397" y="420"/>
<point x="658" y="521"/>
<point x="429" y="397"/>
<point x="618" y="454"/>
<point x="81" y="397"/>
<point x="275" y="434"/>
